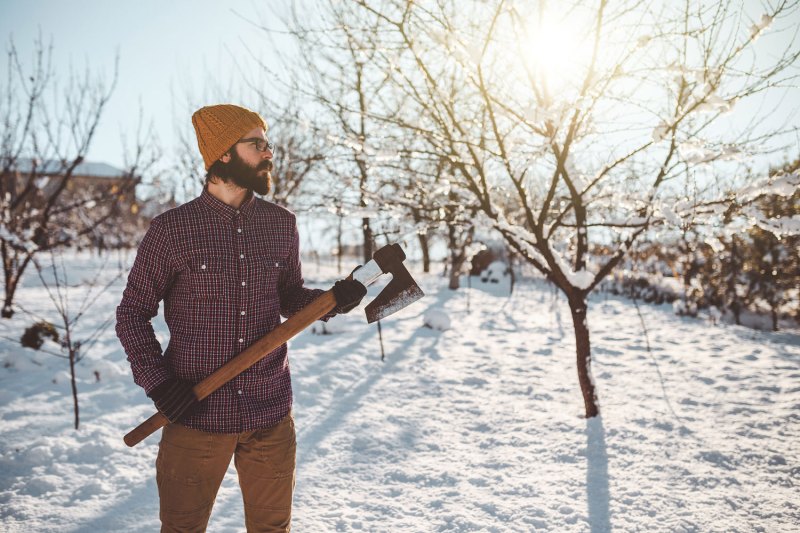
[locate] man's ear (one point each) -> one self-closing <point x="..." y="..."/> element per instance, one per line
<point x="226" y="158"/>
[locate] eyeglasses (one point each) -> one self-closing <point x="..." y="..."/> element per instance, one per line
<point x="262" y="145"/>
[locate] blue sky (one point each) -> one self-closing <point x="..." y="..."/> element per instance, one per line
<point x="165" y="48"/>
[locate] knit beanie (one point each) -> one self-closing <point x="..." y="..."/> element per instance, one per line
<point x="218" y="127"/>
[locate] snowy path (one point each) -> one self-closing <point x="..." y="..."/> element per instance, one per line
<point x="477" y="428"/>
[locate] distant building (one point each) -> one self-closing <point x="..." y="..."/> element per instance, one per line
<point x="88" y="180"/>
<point x="97" y="206"/>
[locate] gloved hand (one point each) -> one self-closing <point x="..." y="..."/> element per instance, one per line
<point x="348" y="293"/>
<point x="175" y="399"/>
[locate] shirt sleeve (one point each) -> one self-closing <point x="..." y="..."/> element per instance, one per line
<point x="293" y="295"/>
<point x="149" y="280"/>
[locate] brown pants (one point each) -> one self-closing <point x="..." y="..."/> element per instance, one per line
<point x="191" y="465"/>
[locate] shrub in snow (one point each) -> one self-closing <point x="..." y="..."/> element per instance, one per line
<point x="436" y="319"/>
<point x="684" y="308"/>
<point x="646" y="287"/>
<point x="496" y="271"/>
<point x="34" y="336"/>
<point x="494" y="251"/>
<point x="329" y="328"/>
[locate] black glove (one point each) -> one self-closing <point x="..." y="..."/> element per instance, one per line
<point x="175" y="399"/>
<point x="348" y="293"/>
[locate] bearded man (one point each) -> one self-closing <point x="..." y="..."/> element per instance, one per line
<point x="226" y="265"/>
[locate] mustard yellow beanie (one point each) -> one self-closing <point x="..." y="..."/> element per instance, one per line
<point x="218" y="127"/>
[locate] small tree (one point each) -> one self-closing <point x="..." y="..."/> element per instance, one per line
<point x="774" y="260"/>
<point x="74" y="344"/>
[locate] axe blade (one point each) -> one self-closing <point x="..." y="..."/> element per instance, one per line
<point x="392" y="299"/>
<point x="400" y="292"/>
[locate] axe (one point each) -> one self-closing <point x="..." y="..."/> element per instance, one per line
<point x="401" y="291"/>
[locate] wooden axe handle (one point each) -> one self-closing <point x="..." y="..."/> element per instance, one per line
<point x="254" y="353"/>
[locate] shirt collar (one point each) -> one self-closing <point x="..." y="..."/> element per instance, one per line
<point x="226" y="211"/>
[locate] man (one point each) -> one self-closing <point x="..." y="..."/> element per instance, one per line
<point x="226" y="265"/>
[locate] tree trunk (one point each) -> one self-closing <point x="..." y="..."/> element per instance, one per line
<point x="72" y="355"/>
<point x="455" y="265"/>
<point x="512" y="275"/>
<point x="368" y="239"/>
<point x="454" y="283"/>
<point x="424" y="243"/>
<point x="339" y="244"/>
<point x="13" y="268"/>
<point x="733" y="295"/>
<point x="7" y="312"/>
<point x="578" y="308"/>
<point x="10" y="290"/>
<point x="426" y="252"/>
<point x="774" y="318"/>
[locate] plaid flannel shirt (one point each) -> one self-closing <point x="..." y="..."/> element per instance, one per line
<point x="225" y="276"/>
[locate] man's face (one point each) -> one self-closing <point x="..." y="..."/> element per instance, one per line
<point x="247" y="167"/>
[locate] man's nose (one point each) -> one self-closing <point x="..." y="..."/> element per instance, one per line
<point x="267" y="154"/>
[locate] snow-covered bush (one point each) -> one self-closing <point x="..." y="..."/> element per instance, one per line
<point x="650" y="288"/>
<point x="684" y="308"/>
<point x="495" y="272"/>
<point x="436" y="319"/>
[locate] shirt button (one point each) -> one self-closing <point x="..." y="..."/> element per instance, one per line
<point x="241" y="341"/>
<point x="242" y="313"/>
<point x="244" y="283"/>
<point x="241" y="256"/>
<point x="203" y="267"/>
<point x="237" y="211"/>
<point x="239" y="230"/>
<point x="239" y="391"/>
<point x="277" y="265"/>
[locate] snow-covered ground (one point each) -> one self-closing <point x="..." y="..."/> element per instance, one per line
<point x="474" y="428"/>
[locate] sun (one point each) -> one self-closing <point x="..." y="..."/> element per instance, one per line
<point x="554" y="52"/>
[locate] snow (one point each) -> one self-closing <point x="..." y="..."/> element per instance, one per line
<point x="436" y="319"/>
<point x="660" y="131"/>
<point x="669" y="215"/>
<point x="759" y="27"/>
<point x="86" y="168"/>
<point x="777" y="225"/>
<point x="582" y="279"/>
<point x="714" y="103"/>
<point x="781" y="185"/>
<point x="16" y="241"/>
<point x="476" y="428"/>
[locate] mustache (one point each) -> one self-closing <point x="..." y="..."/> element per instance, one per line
<point x="265" y="165"/>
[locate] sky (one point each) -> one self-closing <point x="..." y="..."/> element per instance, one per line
<point x="165" y="51"/>
<point x="168" y="53"/>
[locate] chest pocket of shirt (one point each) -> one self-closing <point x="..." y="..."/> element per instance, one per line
<point x="270" y="273"/>
<point x="206" y="278"/>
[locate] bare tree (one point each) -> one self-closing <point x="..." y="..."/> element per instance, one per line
<point x="45" y="134"/>
<point x="596" y="140"/>
<point x="426" y="201"/>
<point x="75" y="341"/>
<point x="338" y="76"/>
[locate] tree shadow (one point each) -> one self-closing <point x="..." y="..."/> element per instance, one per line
<point x="597" y="491"/>
<point x="330" y="419"/>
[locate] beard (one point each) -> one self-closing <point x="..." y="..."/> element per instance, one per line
<point x="257" y="179"/>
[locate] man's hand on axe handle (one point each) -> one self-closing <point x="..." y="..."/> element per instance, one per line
<point x="348" y="293"/>
<point x="175" y="399"/>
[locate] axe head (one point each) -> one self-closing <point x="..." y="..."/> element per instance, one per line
<point x="400" y="292"/>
